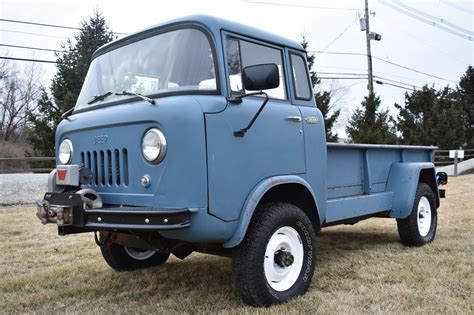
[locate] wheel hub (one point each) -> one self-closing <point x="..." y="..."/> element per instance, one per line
<point x="139" y="254"/>
<point x="283" y="258"/>
<point x="424" y="216"/>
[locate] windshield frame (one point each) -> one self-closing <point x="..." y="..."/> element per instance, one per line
<point x="151" y="33"/>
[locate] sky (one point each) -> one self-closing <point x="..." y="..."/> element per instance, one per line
<point x="329" y="26"/>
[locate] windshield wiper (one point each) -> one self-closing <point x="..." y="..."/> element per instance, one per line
<point x="143" y="97"/>
<point x="66" y="114"/>
<point x="100" y="97"/>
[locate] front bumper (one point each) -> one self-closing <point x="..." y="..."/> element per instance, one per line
<point x="69" y="211"/>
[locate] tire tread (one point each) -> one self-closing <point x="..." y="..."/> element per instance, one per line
<point x="246" y="269"/>
<point x="408" y="227"/>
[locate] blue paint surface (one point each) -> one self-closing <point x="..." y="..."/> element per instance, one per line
<point x="222" y="177"/>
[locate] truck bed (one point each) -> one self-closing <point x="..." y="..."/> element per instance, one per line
<point x="358" y="175"/>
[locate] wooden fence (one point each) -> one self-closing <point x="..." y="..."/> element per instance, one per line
<point x="27" y="164"/>
<point x="442" y="158"/>
<point x="24" y="164"/>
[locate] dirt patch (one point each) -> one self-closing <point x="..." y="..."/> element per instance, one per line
<point x="361" y="268"/>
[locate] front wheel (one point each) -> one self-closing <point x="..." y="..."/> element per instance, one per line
<point x="275" y="261"/>
<point x="419" y="228"/>
<point x="123" y="258"/>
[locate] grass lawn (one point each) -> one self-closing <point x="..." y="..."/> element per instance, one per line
<point x="361" y="268"/>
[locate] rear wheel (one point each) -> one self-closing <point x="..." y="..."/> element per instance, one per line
<point x="419" y="228"/>
<point x="123" y="258"/>
<point x="275" y="261"/>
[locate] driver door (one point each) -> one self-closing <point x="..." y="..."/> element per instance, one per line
<point x="273" y="146"/>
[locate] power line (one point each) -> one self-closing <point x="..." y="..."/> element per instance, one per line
<point x="395" y="81"/>
<point x="364" y="74"/>
<point x="359" y="69"/>
<point x="340" y="35"/>
<point x="33" y="48"/>
<point x="432" y="17"/>
<point x="395" y="85"/>
<point x="324" y="66"/>
<point x="414" y="70"/>
<point x="383" y="60"/>
<point x="341" y="68"/>
<point x="11" y="31"/>
<point x="47" y="25"/>
<point x="39" y="24"/>
<point x="340" y="73"/>
<point x="458" y="7"/>
<point x="26" y="59"/>
<point x="337" y="53"/>
<point x="343" y="78"/>
<point x="299" y="5"/>
<point x="426" y="21"/>
<point x="423" y="41"/>
<point x="354" y="76"/>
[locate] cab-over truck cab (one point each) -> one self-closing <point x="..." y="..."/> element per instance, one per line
<point x="203" y="135"/>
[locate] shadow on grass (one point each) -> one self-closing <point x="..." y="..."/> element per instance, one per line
<point x="198" y="281"/>
<point x="355" y="240"/>
<point x="204" y="279"/>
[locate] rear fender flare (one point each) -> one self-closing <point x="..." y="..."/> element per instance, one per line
<point x="403" y="181"/>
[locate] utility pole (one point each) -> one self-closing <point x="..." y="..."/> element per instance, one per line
<point x="369" y="53"/>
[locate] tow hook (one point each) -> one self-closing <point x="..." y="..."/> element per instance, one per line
<point x="42" y="211"/>
<point x="109" y="238"/>
<point x="61" y="215"/>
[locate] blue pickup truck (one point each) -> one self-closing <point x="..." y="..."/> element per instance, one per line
<point x="203" y="135"/>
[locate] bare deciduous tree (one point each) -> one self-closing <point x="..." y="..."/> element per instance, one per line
<point x="18" y="94"/>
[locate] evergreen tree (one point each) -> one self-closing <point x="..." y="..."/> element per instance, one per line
<point x="323" y="99"/>
<point x="41" y="137"/>
<point x="466" y="90"/>
<point x="72" y="66"/>
<point x="432" y="117"/>
<point x="370" y="125"/>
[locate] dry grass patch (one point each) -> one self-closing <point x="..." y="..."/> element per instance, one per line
<point x="361" y="268"/>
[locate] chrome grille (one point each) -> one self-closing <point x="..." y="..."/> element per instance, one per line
<point x="109" y="167"/>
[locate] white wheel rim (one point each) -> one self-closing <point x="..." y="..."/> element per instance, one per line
<point x="139" y="254"/>
<point x="424" y="216"/>
<point x="284" y="241"/>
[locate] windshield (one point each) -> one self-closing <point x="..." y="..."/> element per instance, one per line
<point x="175" y="61"/>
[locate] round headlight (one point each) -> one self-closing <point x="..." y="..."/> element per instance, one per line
<point x="154" y="145"/>
<point x="65" y="152"/>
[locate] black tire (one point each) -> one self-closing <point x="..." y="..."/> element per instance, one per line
<point x="411" y="230"/>
<point x="120" y="258"/>
<point x="250" y="256"/>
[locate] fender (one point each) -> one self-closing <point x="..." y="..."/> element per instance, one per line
<point x="254" y="198"/>
<point x="403" y="181"/>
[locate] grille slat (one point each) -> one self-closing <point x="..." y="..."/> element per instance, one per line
<point x="109" y="167"/>
<point x="124" y="169"/>
<point x="117" y="167"/>
<point x="94" y="168"/>
<point x="101" y="168"/>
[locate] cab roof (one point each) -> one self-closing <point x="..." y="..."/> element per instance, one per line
<point x="214" y="24"/>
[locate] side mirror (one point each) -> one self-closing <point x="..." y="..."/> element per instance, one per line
<point x="260" y="77"/>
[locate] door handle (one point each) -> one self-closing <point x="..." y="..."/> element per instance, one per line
<point x="294" y="118"/>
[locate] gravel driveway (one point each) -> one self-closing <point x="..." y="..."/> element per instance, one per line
<point x="22" y="188"/>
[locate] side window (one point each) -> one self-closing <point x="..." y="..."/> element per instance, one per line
<point x="241" y="54"/>
<point x="233" y="65"/>
<point x="300" y="77"/>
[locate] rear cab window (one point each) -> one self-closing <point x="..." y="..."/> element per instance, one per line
<point x="242" y="53"/>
